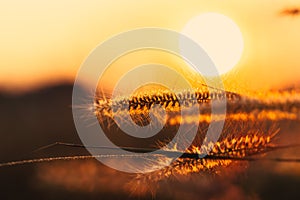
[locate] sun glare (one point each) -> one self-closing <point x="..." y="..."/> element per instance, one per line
<point x="220" y="37"/>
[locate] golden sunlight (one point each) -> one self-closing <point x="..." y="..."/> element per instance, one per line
<point x="219" y="36"/>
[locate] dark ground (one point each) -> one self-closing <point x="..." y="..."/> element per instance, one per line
<point x="42" y="117"/>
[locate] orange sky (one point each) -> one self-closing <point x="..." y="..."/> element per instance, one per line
<point x="44" y="42"/>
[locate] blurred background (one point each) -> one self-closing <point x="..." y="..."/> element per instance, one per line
<point x="43" y="44"/>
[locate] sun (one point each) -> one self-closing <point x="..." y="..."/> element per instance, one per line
<point x="220" y="37"/>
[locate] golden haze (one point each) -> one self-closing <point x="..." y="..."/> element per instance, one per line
<point x="44" y="42"/>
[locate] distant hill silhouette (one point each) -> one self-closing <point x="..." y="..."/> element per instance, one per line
<point x="28" y="121"/>
<point x="35" y="119"/>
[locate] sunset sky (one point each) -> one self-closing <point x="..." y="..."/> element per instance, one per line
<point x="45" y="42"/>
